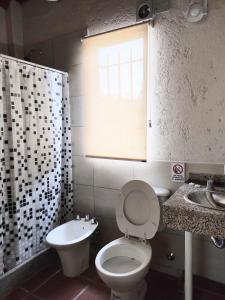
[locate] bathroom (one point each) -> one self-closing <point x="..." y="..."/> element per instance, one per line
<point x="185" y="126"/>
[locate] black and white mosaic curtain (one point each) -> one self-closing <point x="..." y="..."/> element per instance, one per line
<point x="35" y="158"/>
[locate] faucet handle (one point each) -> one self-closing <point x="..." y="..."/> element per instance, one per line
<point x="210" y="182"/>
<point x="87" y="217"/>
<point x="93" y="220"/>
<point x="77" y="217"/>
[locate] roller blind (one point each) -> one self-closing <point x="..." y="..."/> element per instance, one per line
<point x="115" y="89"/>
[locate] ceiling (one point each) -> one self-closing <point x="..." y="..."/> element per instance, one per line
<point x="5" y="3"/>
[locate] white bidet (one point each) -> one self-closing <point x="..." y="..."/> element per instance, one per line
<point x="72" y="242"/>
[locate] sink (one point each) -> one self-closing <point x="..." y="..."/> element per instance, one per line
<point x="210" y="199"/>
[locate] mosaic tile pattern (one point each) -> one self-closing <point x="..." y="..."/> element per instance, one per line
<point x="35" y="153"/>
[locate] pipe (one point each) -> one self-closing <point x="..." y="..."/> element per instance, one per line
<point x="188" y="287"/>
<point x="219" y="243"/>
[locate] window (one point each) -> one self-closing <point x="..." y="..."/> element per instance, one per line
<point x="115" y="78"/>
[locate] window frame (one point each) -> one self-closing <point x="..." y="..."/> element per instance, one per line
<point x="147" y="110"/>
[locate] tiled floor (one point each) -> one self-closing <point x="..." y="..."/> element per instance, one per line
<point x="50" y="284"/>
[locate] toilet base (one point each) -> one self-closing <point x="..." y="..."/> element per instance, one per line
<point x="136" y="294"/>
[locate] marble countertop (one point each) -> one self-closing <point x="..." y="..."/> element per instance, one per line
<point x="181" y="215"/>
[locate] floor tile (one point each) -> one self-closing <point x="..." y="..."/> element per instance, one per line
<point x="40" y="278"/>
<point x="95" y="293"/>
<point x="60" y="287"/>
<point x="92" y="275"/>
<point x="51" y="284"/>
<point x="162" y="287"/>
<point x="209" y="286"/>
<point x="31" y="297"/>
<point x="200" y="295"/>
<point x="17" y="294"/>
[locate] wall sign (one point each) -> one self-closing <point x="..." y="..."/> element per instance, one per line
<point x="178" y="172"/>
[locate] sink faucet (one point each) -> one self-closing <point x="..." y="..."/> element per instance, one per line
<point x="209" y="185"/>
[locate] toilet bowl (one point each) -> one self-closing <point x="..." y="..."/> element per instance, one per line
<point x="72" y="242"/>
<point x="123" y="263"/>
<point x="123" y="272"/>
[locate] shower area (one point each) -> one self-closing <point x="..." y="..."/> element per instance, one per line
<point x="36" y="191"/>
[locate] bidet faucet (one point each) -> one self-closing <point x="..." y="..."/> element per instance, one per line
<point x="94" y="220"/>
<point x="209" y="185"/>
<point x="77" y="217"/>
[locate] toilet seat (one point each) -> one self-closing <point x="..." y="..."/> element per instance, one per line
<point x="138" y="210"/>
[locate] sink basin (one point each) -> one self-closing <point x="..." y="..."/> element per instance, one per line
<point x="209" y="199"/>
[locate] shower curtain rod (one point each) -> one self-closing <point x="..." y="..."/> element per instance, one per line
<point x="31" y="64"/>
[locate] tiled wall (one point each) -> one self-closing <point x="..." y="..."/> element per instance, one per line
<point x="97" y="182"/>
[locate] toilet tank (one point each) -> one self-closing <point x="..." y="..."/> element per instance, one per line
<point x="163" y="194"/>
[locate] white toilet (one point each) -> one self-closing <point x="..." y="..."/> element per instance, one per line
<point x="72" y="242"/>
<point x="124" y="263"/>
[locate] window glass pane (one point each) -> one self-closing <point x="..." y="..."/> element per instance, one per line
<point x="103" y="79"/>
<point x="138" y="77"/>
<point x="138" y="49"/>
<point x="113" y="80"/>
<point x="102" y="57"/>
<point x="125" y="80"/>
<point x="125" y="52"/>
<point x="112" y="55"/>
<point x="115" y="76"/>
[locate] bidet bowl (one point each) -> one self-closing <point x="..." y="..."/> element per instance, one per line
<point x="70" y="233"/>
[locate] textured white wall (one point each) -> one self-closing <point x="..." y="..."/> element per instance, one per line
<point x="11" y="30"/>
<point x="44" y="20"/>
<point x="15" y="29"/>
<point x="188" y="102"/>
<point x="16" y="20"/>
<point x="187" y="69"/>
<point x="3" y="32"/>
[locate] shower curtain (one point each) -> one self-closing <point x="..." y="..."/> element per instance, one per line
<point x="35" y="158"/>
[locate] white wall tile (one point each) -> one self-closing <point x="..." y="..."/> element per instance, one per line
<point x="77" y="111"/>
<point x="105" y="201"/>
<point x="75" y="79"/>
<point x="208" y="260"/>
<point x="84" y="201"/>
<point x="109" y="230"/>
<point x="82" y="170"/>
<point x="77" y="141"/>
<point x="155" y="173"/>
<point x="112" y="173"/>
<point x="162" y="244"/>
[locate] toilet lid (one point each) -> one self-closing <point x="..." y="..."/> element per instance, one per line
<point x="138" y="210"/>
